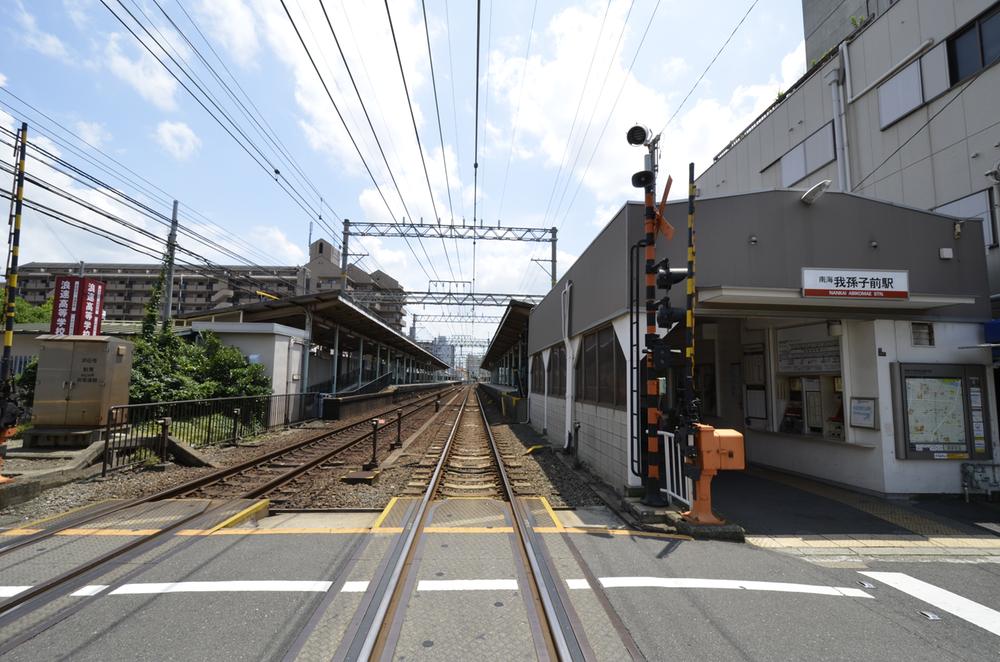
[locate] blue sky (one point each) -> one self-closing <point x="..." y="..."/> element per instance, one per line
<point x="72" y="60"/>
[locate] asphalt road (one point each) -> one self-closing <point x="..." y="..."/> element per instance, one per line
<point x="247" y="596"/>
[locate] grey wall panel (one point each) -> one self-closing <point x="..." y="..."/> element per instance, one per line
<point x="600" y="287"/>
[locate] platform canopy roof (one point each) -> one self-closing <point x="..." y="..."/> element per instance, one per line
<point x="329" y="310"/>
<point x="513" y="323"/>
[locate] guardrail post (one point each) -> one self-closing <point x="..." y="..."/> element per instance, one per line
<point x="437" y="404"/>
<point x="164" y="436"/>
<point x="373" y="464"/>
<point x="107" y="441"/>
<point x="236" y="426"/>
<point x="399" y="429"/>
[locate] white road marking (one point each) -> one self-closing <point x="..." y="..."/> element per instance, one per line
<point x="990" y="526"/>
<point x="11" y="591"/>
<point x="973" y="612"/>
<point x="467" y="585"/>
<point x="737" y="584"/>
<point x="88" y="591"/>
<point x="224" y="586"/>
<point x="354" y="587"/>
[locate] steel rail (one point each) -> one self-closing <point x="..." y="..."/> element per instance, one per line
<point x="412" y="529"/>
<point x="539" y="573"/>
<point x="202" y="481"/>
<point x="566" y="647"/>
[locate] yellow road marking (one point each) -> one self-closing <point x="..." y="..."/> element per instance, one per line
<point x="552" y="513"/>
<point x="611" y="532"/>
<point x="469" y="529"/>
<point x="385" y="513"/>
<point x="242" y="516"/>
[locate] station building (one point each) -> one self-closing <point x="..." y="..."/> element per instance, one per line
<point x="350" y="348"/>
<point x="887" y="393"/>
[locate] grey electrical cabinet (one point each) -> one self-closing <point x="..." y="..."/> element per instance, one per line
<point x="79" y="378"/>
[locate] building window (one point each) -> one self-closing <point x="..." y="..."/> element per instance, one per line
<point x="975" y="47"/>
<point x="537" y="374"/>
<point x="808" y="156"/>
<point x="978" y="205"/>
<point x="600" y="370"/>
<point x="557" y="371"/>
<point x="900" y="95"/>
<point x="922" y="334"/>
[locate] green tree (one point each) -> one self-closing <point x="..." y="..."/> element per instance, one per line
<point x="167" y="367"/>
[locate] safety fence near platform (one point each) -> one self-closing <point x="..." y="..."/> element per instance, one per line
<point x="141" y="434"/>
<point x="678" y="486"/>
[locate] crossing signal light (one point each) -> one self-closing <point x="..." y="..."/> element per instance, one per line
<point x="667" y="315"/>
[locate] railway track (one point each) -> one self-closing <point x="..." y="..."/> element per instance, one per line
<point x="468" y="464"/>
<point x="252" y="478"/>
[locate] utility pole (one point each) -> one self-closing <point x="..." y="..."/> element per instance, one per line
<point x="554" y="272"/>
<point x="168" y="288"/>
<point x="343" y="257"/>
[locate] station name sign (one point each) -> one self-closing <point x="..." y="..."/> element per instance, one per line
<point x="855" y="283"/>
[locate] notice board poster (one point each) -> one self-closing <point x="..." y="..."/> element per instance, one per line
<point x="77" y="306"/>
<point x="942" y="410"/>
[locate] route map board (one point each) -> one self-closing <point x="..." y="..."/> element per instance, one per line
<point x="941" y="411"/>
<point x="935" y="414"/>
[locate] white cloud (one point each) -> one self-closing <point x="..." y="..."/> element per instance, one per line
<point x="279" y="246"/>
<point x="46" y="239"/>
<point x="3" y="80"/>
<point x="233" y="25"/>
<point x="76" y="10"/>
<point x="144" y="74"/>
<point x="94" y="133"/>
<point x="793" y="65"/>
<point x="177" y="139"/>
<point x="674" y="68"/>
<point x="36" y="39"/>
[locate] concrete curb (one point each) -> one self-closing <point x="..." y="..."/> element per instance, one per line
<point x="25" y="487"/>
<point x="189" y="457"/>
<point x="727" y="531"/>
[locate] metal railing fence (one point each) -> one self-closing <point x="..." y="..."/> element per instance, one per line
<point x="678" y="486"/>
<point x="138" y="434"/>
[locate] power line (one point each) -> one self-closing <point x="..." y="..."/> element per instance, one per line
<point x="416" y="132"/>
<point x="349" y="134"/>
<point x="593" y="111"/>
<point x="604" y="129"/>
<point x="716" y="57"/>
<point x="919" y="129"/>
<point x="517" y="111"/>
<point x="437" y="110"/>
<point x="579" y="102"/>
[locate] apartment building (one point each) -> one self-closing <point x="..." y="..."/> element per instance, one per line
<point x="899" y="104"/>
<point x="206" y="288"/>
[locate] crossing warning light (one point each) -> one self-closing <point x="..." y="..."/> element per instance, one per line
<point x="667" y="315"/>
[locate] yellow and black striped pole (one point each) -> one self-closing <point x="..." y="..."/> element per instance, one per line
<point x="11" y="290"/>
<point x="9" y="409"/>
<point x="690" y="400"/>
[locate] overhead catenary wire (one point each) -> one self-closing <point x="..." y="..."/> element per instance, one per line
<point x="444" y="151"/>
<point x="593" y="111"/>
<point x="286" y="185"/>
<point x="416" y="133"/>
<point x="517" y="109"/>
<point x="143" y="186"/>
<point x="611" y="113"/>
<point x="357" y="149"/>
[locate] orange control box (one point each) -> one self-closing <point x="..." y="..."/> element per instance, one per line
<point x="717" y="450"/>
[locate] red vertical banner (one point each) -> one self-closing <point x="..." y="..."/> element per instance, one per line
<point x="77" y="307"/>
